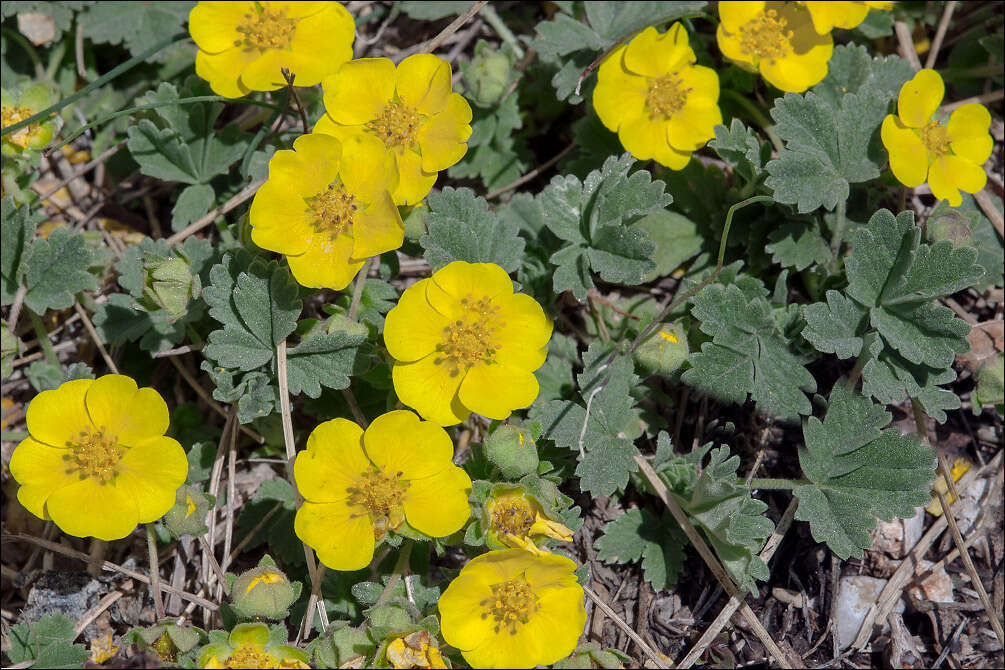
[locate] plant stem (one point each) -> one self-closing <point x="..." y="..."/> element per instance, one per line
<point x="839" y="222"/>
<point x="357" y="289"/>
<point x="491" y="18"/>
<point x="97" y="83"/>
<point x="155" y="573"/>
<point x="400" y="567"/>
<point x="289" y="77"/>
<point x="757" y="116"/>
<point x="43" y="338"/>
<point x="771" y="483"/>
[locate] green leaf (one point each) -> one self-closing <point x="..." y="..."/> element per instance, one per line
<point x="57" y="270"/>
<point x="61" y="13"/>
<point x="255" y="395"/>
<point x="798" y="245"/>
<point x="852" y="70"/>
<point x="594" y="217"/>
<point x="18" y="230"/>
<point x="184" y="145"/>
<point x="733" y="522"/>
<point x="833" y="327"/>
<point x="48" y="643"/>
<point x="858" y="471"/>
<point x="322" y="359"/>
<point x="983" y="237"/>
<point x="640" y="535"/>
<point x="494" y="156"/>
<point x="748" y="354"/>
<point x="135" y="25"/>
<point x="193" y="202"/>
<point x="460" y="227"/>
<point x="676" y="239"/>
<point x="741" y="148"/>
<point x="258" y="306"/>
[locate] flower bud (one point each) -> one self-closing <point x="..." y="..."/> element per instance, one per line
<point x="20" y="104"/>
<point x="167" y="639"/>
<point x="512" y="449"/>
<point x="188" y="516"/>
<point x="663" y="352"/>
<point x="171" y="284"/>
<point x="264" y="592"/>
<point x="952" y="226"/>
<point x="487" y="76"/>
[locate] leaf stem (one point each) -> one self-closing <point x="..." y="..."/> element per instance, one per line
<point x="771" y="483"/>
<point x="155" y="573"/>
<point x="43" y="338"/>
<point x="491" y="18"/>
<point x="357" y="289"/>
<point x="289" y="77"/>
<point x="839" y="225"/>
<point x="757" y="116"/>
<point x="400" y="567"/>
<point x="97" y="83"/>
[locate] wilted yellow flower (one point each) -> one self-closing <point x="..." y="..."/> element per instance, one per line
<point x="660" y="104"/>
<point x="244" y="46"/>
<point x="410" y="108"/>
<point x="97" y="461"/>
<point x="513" y="609"/>
<point x="949" y="157"/>
<point x="359" y="485"/>
<point x="777" y="39"/>
<point x="415" y="650"/>
<point x="464" y="342"/>
<point x="250" y="646"/>
<point x="515" y="519"/>
<point x="829" y="15"/>
<point x="327" y="206"/>
<point x="23" y="103"/>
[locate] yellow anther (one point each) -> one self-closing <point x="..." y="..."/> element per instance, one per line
<point x="94" y="454"/>
<point x="766" y="36"/>
<point x="381" y="496"/>
<point x="470" y="339"/>
<point x="264" y="28"/>
<point x="396" y="125"/>
<point x="666" y="96"/>
<point x="9" y="115"/>
<point x="936" y="139"/>
<point x="333" y="209"/>
<point x="512" y="603"/>
<point x="248" y="656"/>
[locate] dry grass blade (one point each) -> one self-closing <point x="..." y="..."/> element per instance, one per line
<point x="654" y="656"/>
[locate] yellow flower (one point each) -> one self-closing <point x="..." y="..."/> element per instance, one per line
<point x="830" y="15"/>
<point x="464" y="342"/>
<point x="948" y="156"/>
<point x="243" y="46"/>
<point x="777" y="39"/>
<point x="514" y="519"/>
<point x="97" y="461"/>
<point x="250" y="646"/>
<point x="660" y="104"/>
<point x="327" y="206"/>
<point x="513" y="609"/>
<point x="410" y="108"/>
<point x="414" y="650"/>
<point x="359" y="485"/>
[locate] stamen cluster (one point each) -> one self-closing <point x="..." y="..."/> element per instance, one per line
<point x="94" y="454"/>
<point x="765" y="36"/>
<point x="264" y="29"/>
<point x="512" y="603"/>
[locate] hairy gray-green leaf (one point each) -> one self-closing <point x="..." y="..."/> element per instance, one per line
<point x="640" y="535"/>
<point x="741" y="148"/>
<point x="858" y="471"/>
<point x="322" y="359"/>
<point x="852" y="70"/>
<point x="57" y="270"/>
<point x="135" y="25"/>
<point x="798" y="245"/>
<point x="18" y="230"/>
<point x="193" y="202"/>
<point x="460" y="227"/>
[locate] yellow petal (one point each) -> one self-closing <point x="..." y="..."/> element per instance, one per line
<point x="360" y="89"/>
<point x="643" y="136"/>
<point x="920" y="97"/>
<point x="413" y="329"/>
<point x="150" y="474"/>
<point x="87" y="508"/>
<point x="368" y="170"/>
<point x="731" y="47"/>
<point x="265" y="73"/>
<point x="322" y="42"/>
<point x="950" y="174"/>
<point x="908" y="156"/>
<point x="326" y="263"/>
<point x="414" y="183"/>
<point x="398" y="441"/>
<point x="320" y="161"/>
<point x="213" y="25"/>
<point x="341" y="535"/>
<point x="279" y="220"/>
<point x="253" y="634"/>
<point x="377" y="229"/>
<point x="223" y="70"/>
<point x="496" y="390"/>
<point x="40" y="469"/>
<point x="332" y="462"/>
<point x="523" y="341"/>
<point x="422" y="81"/>
<point x="298" y="9"/>
<point x="462" y="280"/>
<point x="734" y="14"/>
<point x="691" y="127"/>
<point x="806" y="67"/>
<point x="293" y="173"/>
<point x="132" y="415"/>
<point x="968" y="133"/>
<point x="702" y="84"/>
<point x="461" y="625"/>
<point x="558" y="622"/>
<point x="829" y="15"/>
<point x="326" y="125"/>
<point x="438" y="505"/>
<point x="429" y="389"/>
<point x="652" y="54"/>
<point x="442" y="138"/>
<point x="57" y="416"/>
<point x="619" y="96"/>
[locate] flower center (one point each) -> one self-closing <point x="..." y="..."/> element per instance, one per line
<point x="94" y="454"/>
<point x="765" y="36"/>
<point x="513" y="517"/>
<point x="9" y="115"/>
<point x="247" y="656"/>
<point x="396" y="125"/>
<point x="936" y="139"/>
<point x="333" y="210"/>
<point x="381" y="496"/>
<point x="264" y="28"/>
<point x="665" y="96"/>
<point x="512" y="603"/>
<point x="165" y="648"/>
<point x="469" y="340"/>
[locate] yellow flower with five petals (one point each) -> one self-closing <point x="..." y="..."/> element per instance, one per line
<point x="97" y="461"/>
<point x="777" y="39"/>
<point x="251" y="645"/>
<point x="660" y="104"/>
<point x="513" y="609"/>
<point x="463" y="342"/>
<point x="410" y="108"/>
<point x="327" y="206"/>
<point x="950" y="157"/>
<point x="244" y="46"/>
<point x="830" y="15"/>
<point x="359" y="485"/>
